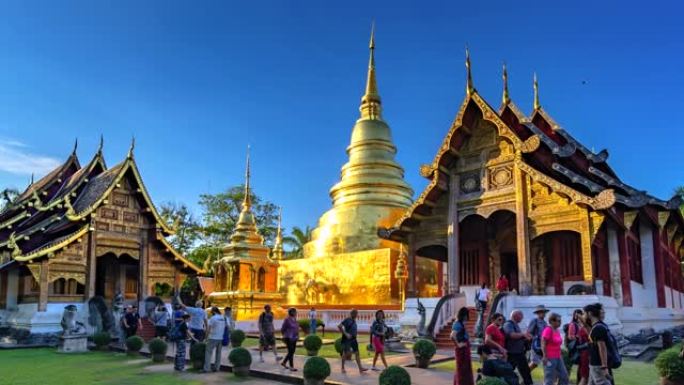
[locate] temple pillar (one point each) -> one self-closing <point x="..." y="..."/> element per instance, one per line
<point x="44" y="285"/>
<point x="453" y="248"/>
<point x="585" y="246"/>
<point x="659" y="267"/>
<point x="522" y="232"/>
<point x="91" y="263"/>
<point x="143" y="271"/>
<point x="411" y="289"/>
<point x="648" y="266"/>
<point x="12" y="289"/>
<point x="614" y="265"/>
<point x="625" y="274"/>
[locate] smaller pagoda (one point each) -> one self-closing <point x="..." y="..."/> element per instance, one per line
<point x="245" y="278"/>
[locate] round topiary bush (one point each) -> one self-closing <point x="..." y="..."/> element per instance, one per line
<point x="424" y="349"/>
<point x="670" y="366"/>
<point x="241" y="359"/>
<point x="305" y="324"/>
<point x="237" y="336"/>
<point x="158" y="348"/>
<point x="491" y="381"/>
<point x="316" y="368"/>
<point x="338" y="345"/>
<point x="102" y="340"/>
<point x="197" y="354"/>
<point x="134" y="344"/>
<point x="313" y="344"/>
<point x="394" y="375"/>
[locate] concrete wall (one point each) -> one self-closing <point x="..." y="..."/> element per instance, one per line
<point x="644" y="295"/>
<point x="27" y="317"/>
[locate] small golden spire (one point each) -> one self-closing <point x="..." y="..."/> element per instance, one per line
<point x="370" y="102"/>
<point x="505" y="99"/>
<point x="278" y="245"/>
<point x="469" y="79"/>
<point x="99" y="148"/>
<point x="131" y="148"/>
<point x="32" y="180"/>
<point x="73" y="152"/>
<point x="536" y="93"/>
<point x="247" y="201"/>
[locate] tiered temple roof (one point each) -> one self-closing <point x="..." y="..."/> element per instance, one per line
<point x="548" y="153"/>
<point x="58" y="209"/>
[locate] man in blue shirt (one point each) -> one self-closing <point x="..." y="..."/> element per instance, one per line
<point x="198" y="321"/>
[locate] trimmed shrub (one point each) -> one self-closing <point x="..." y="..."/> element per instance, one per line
<point x="305" y="324"/>
<point x="669" y="365"/>
<point x="338" y="345"/>
<point x="313" y="342"/>
<point x="240" y="357"/>
<point x="197" y="351"/>
<point x="158" y="346"/>
<point x="102" y="340"/>
<point x="316" y="368"/>
<point x="237" y="336"/>
<point x="424" y="349"/>
<point x="394" y="375"/>
<point x="134" y="343"/>
<point x="491" y="381"/>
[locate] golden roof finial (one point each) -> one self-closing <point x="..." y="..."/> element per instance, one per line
<point x="99" y="148"/>
<point x="505" y="99"/>
<point x="469" y="79"/>
<point x="370" y="102"/>
<point x="536" y="93"/>
<point x="278" y="245"/>
<point x="73" y="152"/>
<point x="32" y="176"/>
<point x="247" y="201"/>
<point x="131" y="148"/>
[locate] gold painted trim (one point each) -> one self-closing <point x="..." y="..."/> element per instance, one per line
<point x="52" y="247"/>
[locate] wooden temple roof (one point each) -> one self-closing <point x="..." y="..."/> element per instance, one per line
<point x="548" y="153"/>
<point x="55" y="211"/>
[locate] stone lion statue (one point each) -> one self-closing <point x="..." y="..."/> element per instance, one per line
<point x="69" y="324"/>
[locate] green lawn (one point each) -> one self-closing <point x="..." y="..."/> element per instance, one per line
<point x="631" y="372"/>
<point x="46" y="366"/>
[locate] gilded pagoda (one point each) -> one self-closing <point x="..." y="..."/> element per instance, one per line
<point x="346" y="263"/>
<point x="81" y="232"/>
<point x="245" y="277"/>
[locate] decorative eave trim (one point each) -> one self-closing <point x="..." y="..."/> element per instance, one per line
<point x="56" y="176"/>
<point x="51" y="247"/>
<point x="143" y="190"/>
<point x="8" y="223"/>
<point x="601" y="157"/>
<point x="603" y="200"/>
<point x="576" y="178"/>
<point x="522" y="119"/>
<point x="97" y="159"/>
<point x="563" y="152"/>
<point x="178" y="256"/>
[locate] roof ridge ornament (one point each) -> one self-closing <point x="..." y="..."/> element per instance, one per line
<point x="535" y="85"/>
<point x="247" y="200"/>
<point x="469" y="76"/>
<point x="370" y="101"/>
<point x="131" y="148"/>
<point x="505" y="98"/>
<point x="278" y="244"/>
<point x="73" y="152"/>
<point x="101" y="145"/>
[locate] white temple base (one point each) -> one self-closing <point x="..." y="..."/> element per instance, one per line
<point x="73" y="344"/>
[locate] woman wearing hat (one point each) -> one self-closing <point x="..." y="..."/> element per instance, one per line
<point x="535" y="328"/>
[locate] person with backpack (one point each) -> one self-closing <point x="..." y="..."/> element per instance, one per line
<point x="577" y="344"/>
<point x="603" y="351"/>
<point x="180" y="334"/>
<point x="551" y="340"/>
<point x="216" y="328"/>
<point x="516" y="345"/>
<point x="535" y="329"/>
<point x="161" y="321"/>
<point x="230" y="325"/>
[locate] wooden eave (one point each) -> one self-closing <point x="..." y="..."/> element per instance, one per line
<point x="53" y="246"/>
<point x="178" y="256"/>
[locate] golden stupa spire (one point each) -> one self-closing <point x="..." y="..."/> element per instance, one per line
<point x="278" y="244"/>
<point x="247" y="201"/>
<point x="535" y="84"/>
<point x="469" y="77"/>
<point x="505" y="98"/>
<point x="73" y="152"/>
<point x="370" y="102"/>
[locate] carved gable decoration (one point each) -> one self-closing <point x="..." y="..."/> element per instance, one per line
<point x="500" y="177"/>
<point x="470" y="182"/>
<point x="120" y="199"/>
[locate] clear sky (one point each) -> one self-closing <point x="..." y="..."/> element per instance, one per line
<point x="195" y="82"/>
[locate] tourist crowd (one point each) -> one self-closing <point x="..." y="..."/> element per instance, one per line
<point x="509" y="347"/>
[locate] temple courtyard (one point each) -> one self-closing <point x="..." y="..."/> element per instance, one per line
<point x="45" y="365"/>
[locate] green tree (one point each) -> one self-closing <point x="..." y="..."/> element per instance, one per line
<point x="181" y="220"/>
<point x="221" y="213"/>
<point x="296" y="241"/>
<point x="7" y="195"/>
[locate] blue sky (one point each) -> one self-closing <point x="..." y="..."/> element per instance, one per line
<point x="196" y="82"/>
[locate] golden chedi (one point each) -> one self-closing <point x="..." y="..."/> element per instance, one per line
<point x="245" y="278"/>
<point x="352" y="265"/>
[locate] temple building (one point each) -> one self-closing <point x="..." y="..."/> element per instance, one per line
<point x="519" y="195"/>
<point x="245" y="277"/>
<point x="81" y="232"/>
<point x="372" y="193"/>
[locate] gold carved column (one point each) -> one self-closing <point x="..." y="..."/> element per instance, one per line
<point x="453" y="248"/>
<point x="44" y="285"/>
<point x="91" y="261"/>
<point x="522" y="230"/>
<point x="144" y="262"/>
<point x="587" y="232"/>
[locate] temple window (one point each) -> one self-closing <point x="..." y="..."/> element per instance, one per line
<point x="261" y="280"/>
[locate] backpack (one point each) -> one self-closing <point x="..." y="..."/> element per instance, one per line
<point x="614" y="358"/>
<point x="175" y="334"/>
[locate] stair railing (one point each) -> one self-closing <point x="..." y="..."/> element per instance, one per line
<point x="495" y="304"/>
<point x="444" y="312"/>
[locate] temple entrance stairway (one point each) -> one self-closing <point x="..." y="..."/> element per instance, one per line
<point x="442" y="339"/>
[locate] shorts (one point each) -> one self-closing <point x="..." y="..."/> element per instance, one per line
<point x="267" y="340"/>
<point x="350" y="346"/>
<point x="378" y="344"/>
<point x="161" y="331"/>
<point x="535" y="358"/>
